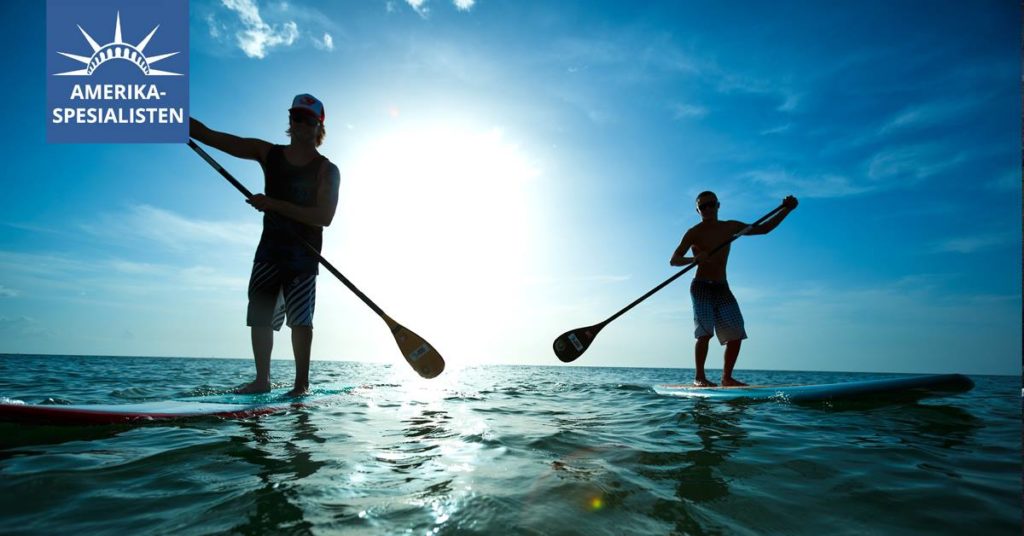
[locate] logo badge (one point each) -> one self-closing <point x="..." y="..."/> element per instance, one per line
<point x="576" y="342"/>
<point x="418" y="353"/>
<point x="117" y="71"/>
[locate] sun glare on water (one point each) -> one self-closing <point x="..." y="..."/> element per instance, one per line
<point x="440" y="222"/>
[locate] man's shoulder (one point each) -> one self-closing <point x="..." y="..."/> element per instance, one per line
<point x="265" y="151"/>
<point x="700" y="227"/>
<point x="328" y="165"/>
<point x="328" y="169"/>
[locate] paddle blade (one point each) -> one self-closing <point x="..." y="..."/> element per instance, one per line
<point x="420" y="355"/>
<point x="571" y="344"/>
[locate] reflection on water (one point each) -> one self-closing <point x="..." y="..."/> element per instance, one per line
<point x="419" y="468"/>
<point x="719" y="432"/>
<point x="15" y="436"/>
<point x="280" y="466"/>
<point x="697" y="469"/>
<point x="416" y="444"/>
<point x="427" y="433"/>
<point x="946" y="427"/>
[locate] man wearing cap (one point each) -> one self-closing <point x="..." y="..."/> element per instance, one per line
<point x="301" y="196"/>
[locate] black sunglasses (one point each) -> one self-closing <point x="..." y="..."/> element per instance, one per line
<point x="710" y="204"/>
<point x="303" y="118"/>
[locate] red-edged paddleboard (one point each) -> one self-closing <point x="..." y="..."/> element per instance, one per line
<point x="227" y="406"/>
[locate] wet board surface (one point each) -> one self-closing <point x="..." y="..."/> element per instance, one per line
<point x="224" y="406"/>
<point x="911" y="387"/>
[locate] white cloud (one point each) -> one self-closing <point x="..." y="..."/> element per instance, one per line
<point x="136" y="256"/>
<point x="777" y="130"/>
<point x="206" y="278"/>
<point x="44" y="266"/>
<point x="686" y="111"/>
<point x="789" y="103"/>
<point x="257" y="37"/>
<point x="889" y="169"/>
<point x="822" y="185"/>
<point x="211" y="22"/>
<point x="327" y="43"/>
<point x="201" y="278"/>
<point x="171" y="230"/>
<point x="585" y="52"/>
<point x="932" y="113"/>
<point x="419" y="6"/>
<point x="121" y="281"/>
<point x="128" y="267"/>
<point x="1008" y="182"/>
<point x="731" y="82"/>
<point x="912" y="163"/>
<point x="924" y="300"/>
<point x="971" y="244"/>
<point x="255" y="41"/>
<point x="594" y="108"/>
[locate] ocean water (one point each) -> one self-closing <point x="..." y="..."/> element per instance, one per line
<point x="504" y="450"/>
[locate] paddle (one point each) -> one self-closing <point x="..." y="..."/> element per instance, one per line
<point x="420" y="355"/>
<point x="571" y="344"/>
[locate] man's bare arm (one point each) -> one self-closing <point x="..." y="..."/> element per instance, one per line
<point x="679" y="257"/>
<point x="248" y="148"/>
<point x="789" y="203"/>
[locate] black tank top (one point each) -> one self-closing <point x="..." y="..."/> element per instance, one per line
<point x="297" y="185"/>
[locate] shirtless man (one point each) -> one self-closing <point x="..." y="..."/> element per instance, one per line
<point x="714" y="307"/>
<point x="300" y="200"/>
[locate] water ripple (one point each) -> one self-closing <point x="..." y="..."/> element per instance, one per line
<point x="521" y="450"/>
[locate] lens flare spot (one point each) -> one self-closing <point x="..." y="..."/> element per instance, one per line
<point x="596" y="503"/>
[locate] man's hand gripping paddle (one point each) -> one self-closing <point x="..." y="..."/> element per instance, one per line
<point x="571" y="344"/>
<point x="420" y="355"/>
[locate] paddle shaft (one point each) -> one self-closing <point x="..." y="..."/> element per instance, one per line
<point x="744" y="231"/>
<point x="330" y="268"/>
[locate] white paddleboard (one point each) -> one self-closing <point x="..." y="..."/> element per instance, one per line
<point x="912" y="386"/>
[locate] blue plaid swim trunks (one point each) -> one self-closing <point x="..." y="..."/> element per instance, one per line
<point x="715" y="311"/>
<point x="274" y="291"/>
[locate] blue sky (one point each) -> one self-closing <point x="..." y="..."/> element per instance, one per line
<point x="511" y="170"/>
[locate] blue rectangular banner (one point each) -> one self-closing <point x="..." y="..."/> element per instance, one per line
<point x="117" y="71"/>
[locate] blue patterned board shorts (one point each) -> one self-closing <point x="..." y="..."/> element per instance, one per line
<point x="274" y="291"/>
<point x="715" y="311"/>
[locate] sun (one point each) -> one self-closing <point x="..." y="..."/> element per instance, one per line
<point x="440" y="221"/>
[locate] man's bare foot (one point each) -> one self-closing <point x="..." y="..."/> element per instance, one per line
<point x="703" y="382"/>
<point x="254" y="388"/>
<point x="729" y="382"/>
<point x="298" y="391"/>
